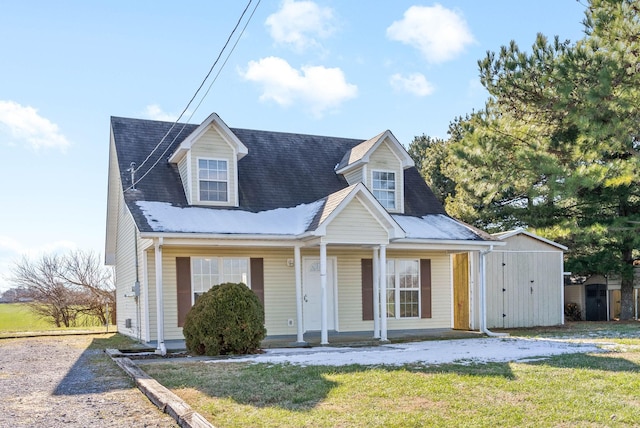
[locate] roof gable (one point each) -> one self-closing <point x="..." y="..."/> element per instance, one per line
<point x="504" y="236"/>
<point x="338" y="201"/>
<point x="213" y="121"/>
<point x="361" y="153"/>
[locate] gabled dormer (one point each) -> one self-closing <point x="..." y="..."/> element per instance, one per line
<point x="208" y="164"/>
<point x="379" y="163"/>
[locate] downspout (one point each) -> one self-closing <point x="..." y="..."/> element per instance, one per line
<point x="136" y="285"/>
<point x="483" y="296"/>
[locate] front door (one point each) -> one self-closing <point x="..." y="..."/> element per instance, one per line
<point x="596" y="302"/>
<point x="312" y="295"/>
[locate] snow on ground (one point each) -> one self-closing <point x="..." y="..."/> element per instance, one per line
<point x="464" y="351"/>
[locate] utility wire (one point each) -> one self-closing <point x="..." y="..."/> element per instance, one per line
<point x="195" y="93"/>
<point x="201" y="100"/>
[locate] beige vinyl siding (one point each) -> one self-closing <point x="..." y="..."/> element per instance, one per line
<point x="349" y="289"/>
<point x="212" y="146"/>
<point x="114" y="199"/>
<point x="441" y="291"/>
<point x="150" y="297"/>
<point x="279" y="286"/>
<point x="355" y="225"/>
<point x="354" y="176"/>
<point x="183" y="169"/>
<point x="383" y="159"/>
<point x="125" y="273"/>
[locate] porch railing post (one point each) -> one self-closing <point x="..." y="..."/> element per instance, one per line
<point x="324" y="333"/>
<point x="376" y="294"/>
<point x="298" y="275"/>
<point x="383" y="292"/>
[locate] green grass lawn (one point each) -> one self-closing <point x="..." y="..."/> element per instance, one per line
<point x="571" y="390"/>
<point x="16" y="318"/>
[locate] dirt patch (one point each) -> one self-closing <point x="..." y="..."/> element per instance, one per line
<point x="59" y="382"/>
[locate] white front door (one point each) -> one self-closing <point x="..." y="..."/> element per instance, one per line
<point x="312" y="295"/>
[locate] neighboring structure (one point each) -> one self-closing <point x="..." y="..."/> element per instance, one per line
<point x="332" y="234"/>
<point x="598" y="296"/>
<point x="525" y="282"/>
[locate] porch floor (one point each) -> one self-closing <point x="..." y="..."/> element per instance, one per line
<point x="354" y="338"/>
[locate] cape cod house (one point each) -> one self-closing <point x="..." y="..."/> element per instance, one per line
<point x="333" y="234"/>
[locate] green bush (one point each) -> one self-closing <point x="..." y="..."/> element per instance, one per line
<point x="228" y="319"/>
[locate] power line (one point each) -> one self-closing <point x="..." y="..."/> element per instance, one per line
<point x="196" y="94"/>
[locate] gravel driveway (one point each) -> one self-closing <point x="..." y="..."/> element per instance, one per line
<point x="58" y="382"/>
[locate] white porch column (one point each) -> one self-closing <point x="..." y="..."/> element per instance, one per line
<point x="472" y="289"/>
<point x="376" y="294"/>
<point x="324" y="333"/>
<point x="383" y="293"/>
<point x="297" y="265"/>
<point x="161" y="349"/>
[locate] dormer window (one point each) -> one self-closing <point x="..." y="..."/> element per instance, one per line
<point x="213" y="180"/>
<point x="384" y="188"/>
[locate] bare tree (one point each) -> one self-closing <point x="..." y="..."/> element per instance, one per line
<point x="84" y="269"/>
<point x="64" y="286"/>
<point x="52" y="298"/>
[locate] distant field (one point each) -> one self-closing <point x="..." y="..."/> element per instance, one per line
<point x="16" y="317"/>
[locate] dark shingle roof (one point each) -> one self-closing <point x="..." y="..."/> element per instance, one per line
<point x="281" y="170"/>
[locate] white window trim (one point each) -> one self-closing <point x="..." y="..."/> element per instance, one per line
<point x="198" y="159"/>
<point x="395" y="190"/>
<point x="220" y="260"/>
<point x="397" y="289"/>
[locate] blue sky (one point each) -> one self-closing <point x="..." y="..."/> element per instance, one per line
<point x="349" y="68"/>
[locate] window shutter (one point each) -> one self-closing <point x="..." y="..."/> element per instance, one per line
<point x="257" y="278"/>
<point x="367" y="289"/>
<point x="425" y="287"/>
<point x="183" y="285"/>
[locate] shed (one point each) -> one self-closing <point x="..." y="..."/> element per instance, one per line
<point x="525" y="281"/>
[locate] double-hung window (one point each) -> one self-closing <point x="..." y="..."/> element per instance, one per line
<point x="213" y="179"/>
<point x="207" y="272"/>
<point x="384" y="188"/>
<point x="403" y="288"/>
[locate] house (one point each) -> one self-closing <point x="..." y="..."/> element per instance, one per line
<point x="598" y="296"/>
<point x="332" y="234"/>
<point x="525" y="281"/>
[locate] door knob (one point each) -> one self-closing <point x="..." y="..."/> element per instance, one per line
<point x="305" y="299"/>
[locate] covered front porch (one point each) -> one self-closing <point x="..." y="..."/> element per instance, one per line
<point x="351" y="338"/>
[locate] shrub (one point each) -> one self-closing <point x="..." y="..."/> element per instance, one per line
<point x="228" y="319"/>
<point x="572" y="312"/>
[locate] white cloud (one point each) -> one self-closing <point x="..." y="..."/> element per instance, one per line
<point x="23" y="125"/>
<point x="414" y="83"/>
<point x="155" y="112"/>
<point x="318" y="88"/>
<point x="300" y="24"/>
<point x="440" y="34"/>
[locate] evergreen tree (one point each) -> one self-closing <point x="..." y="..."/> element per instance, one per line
<point x="557" y="147"/>
<point x="429" y="155"/>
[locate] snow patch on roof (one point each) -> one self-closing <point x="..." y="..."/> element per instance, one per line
<point x="164" y="217"/>
<point x="436" y="226"/>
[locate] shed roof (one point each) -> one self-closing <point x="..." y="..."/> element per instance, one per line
<point x="503" y="236"/>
